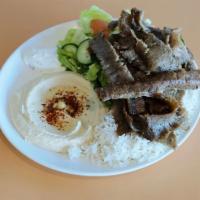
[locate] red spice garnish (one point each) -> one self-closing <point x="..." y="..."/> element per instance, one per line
<point x="63" y="103"/>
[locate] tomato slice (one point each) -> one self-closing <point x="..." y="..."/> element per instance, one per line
<point x="98" y="26"/>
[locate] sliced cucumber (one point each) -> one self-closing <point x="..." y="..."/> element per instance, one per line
<point x="70" y="50"/>
<point x="83" y="54"/>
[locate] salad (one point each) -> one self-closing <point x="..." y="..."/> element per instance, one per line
<point x="73" y="51"/>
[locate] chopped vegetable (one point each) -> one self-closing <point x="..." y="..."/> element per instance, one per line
<point x="69" y="63"/>
<point x="70" y="35"/>
<point x="83" y="54"/>
<point x="74" y="36"/>
<point x="98" y="26"/>
<point x="92" y="72"/>
<point x="70" y="50"/>
<point x="93" y="13"/>
<point x="73" y="51"/>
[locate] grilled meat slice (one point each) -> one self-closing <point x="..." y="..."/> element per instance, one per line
<point x="154" y="83"/>
<point x="127" y="45"/>
<point x="151" y="105"/>
<point x="112" y="25"/>
<point x="131" y="39"/>
<point x="118" y="110"/>
<point x="173" y="38"/>
<point x="125" y="48"/>
<point x="161" y="56"/>
<point x="160" y="49"/>
<point x="115" y="70"/>
<point x="136" y="106"/>
<point x="124" y="21"/>
<point x="161" y="34"/>
<point x="155" y="118"/>
<point x="158" y="57"/>
<point x="157" y="127"/>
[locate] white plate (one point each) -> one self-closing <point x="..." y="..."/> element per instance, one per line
<point x="15" y="73"/>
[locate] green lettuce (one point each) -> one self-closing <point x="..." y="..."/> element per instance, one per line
<point x="69" y="63"/>
<point x="74" y="36"/>
<point x="92" y="72"/>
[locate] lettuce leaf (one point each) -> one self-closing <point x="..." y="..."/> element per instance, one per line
<point x="92" y="72"/>
<point x="70" y="64"/>
<point x="93" y="12"/>
<point x="74" y="36"/>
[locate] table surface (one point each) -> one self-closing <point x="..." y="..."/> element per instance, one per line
<point x="175" y="177"/>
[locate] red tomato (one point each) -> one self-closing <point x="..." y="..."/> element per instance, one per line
<point x="98" y="26"/>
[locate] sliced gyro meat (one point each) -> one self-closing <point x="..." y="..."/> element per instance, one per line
<point x="161" y="34"/>
<point x="155" y="118"/>
<point x="125" y="48"/>
<point x="118" y="110"/>
<point x="154" y="83"/>
<point x="156" y="105"/>
<point x="136" y="106"/>
<point x="155" y="127"/>
<point x="158" y="126"/>
<point x="115" y="70"/>
<point x="161" y="56"/>
<point x="112" y="25"/>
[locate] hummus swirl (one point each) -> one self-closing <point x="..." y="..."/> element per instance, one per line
<point x="56" y="111"/>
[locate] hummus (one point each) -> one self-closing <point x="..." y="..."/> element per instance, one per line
<point x="56" y="111"/>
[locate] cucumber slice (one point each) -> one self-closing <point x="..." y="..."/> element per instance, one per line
<point x="83" y="55"/>
<point x="70" y="50"/>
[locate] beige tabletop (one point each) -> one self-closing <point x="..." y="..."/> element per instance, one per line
<point x="175" y="177"/>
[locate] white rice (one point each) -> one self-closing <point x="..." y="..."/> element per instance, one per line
<point x="104" y="147"/>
